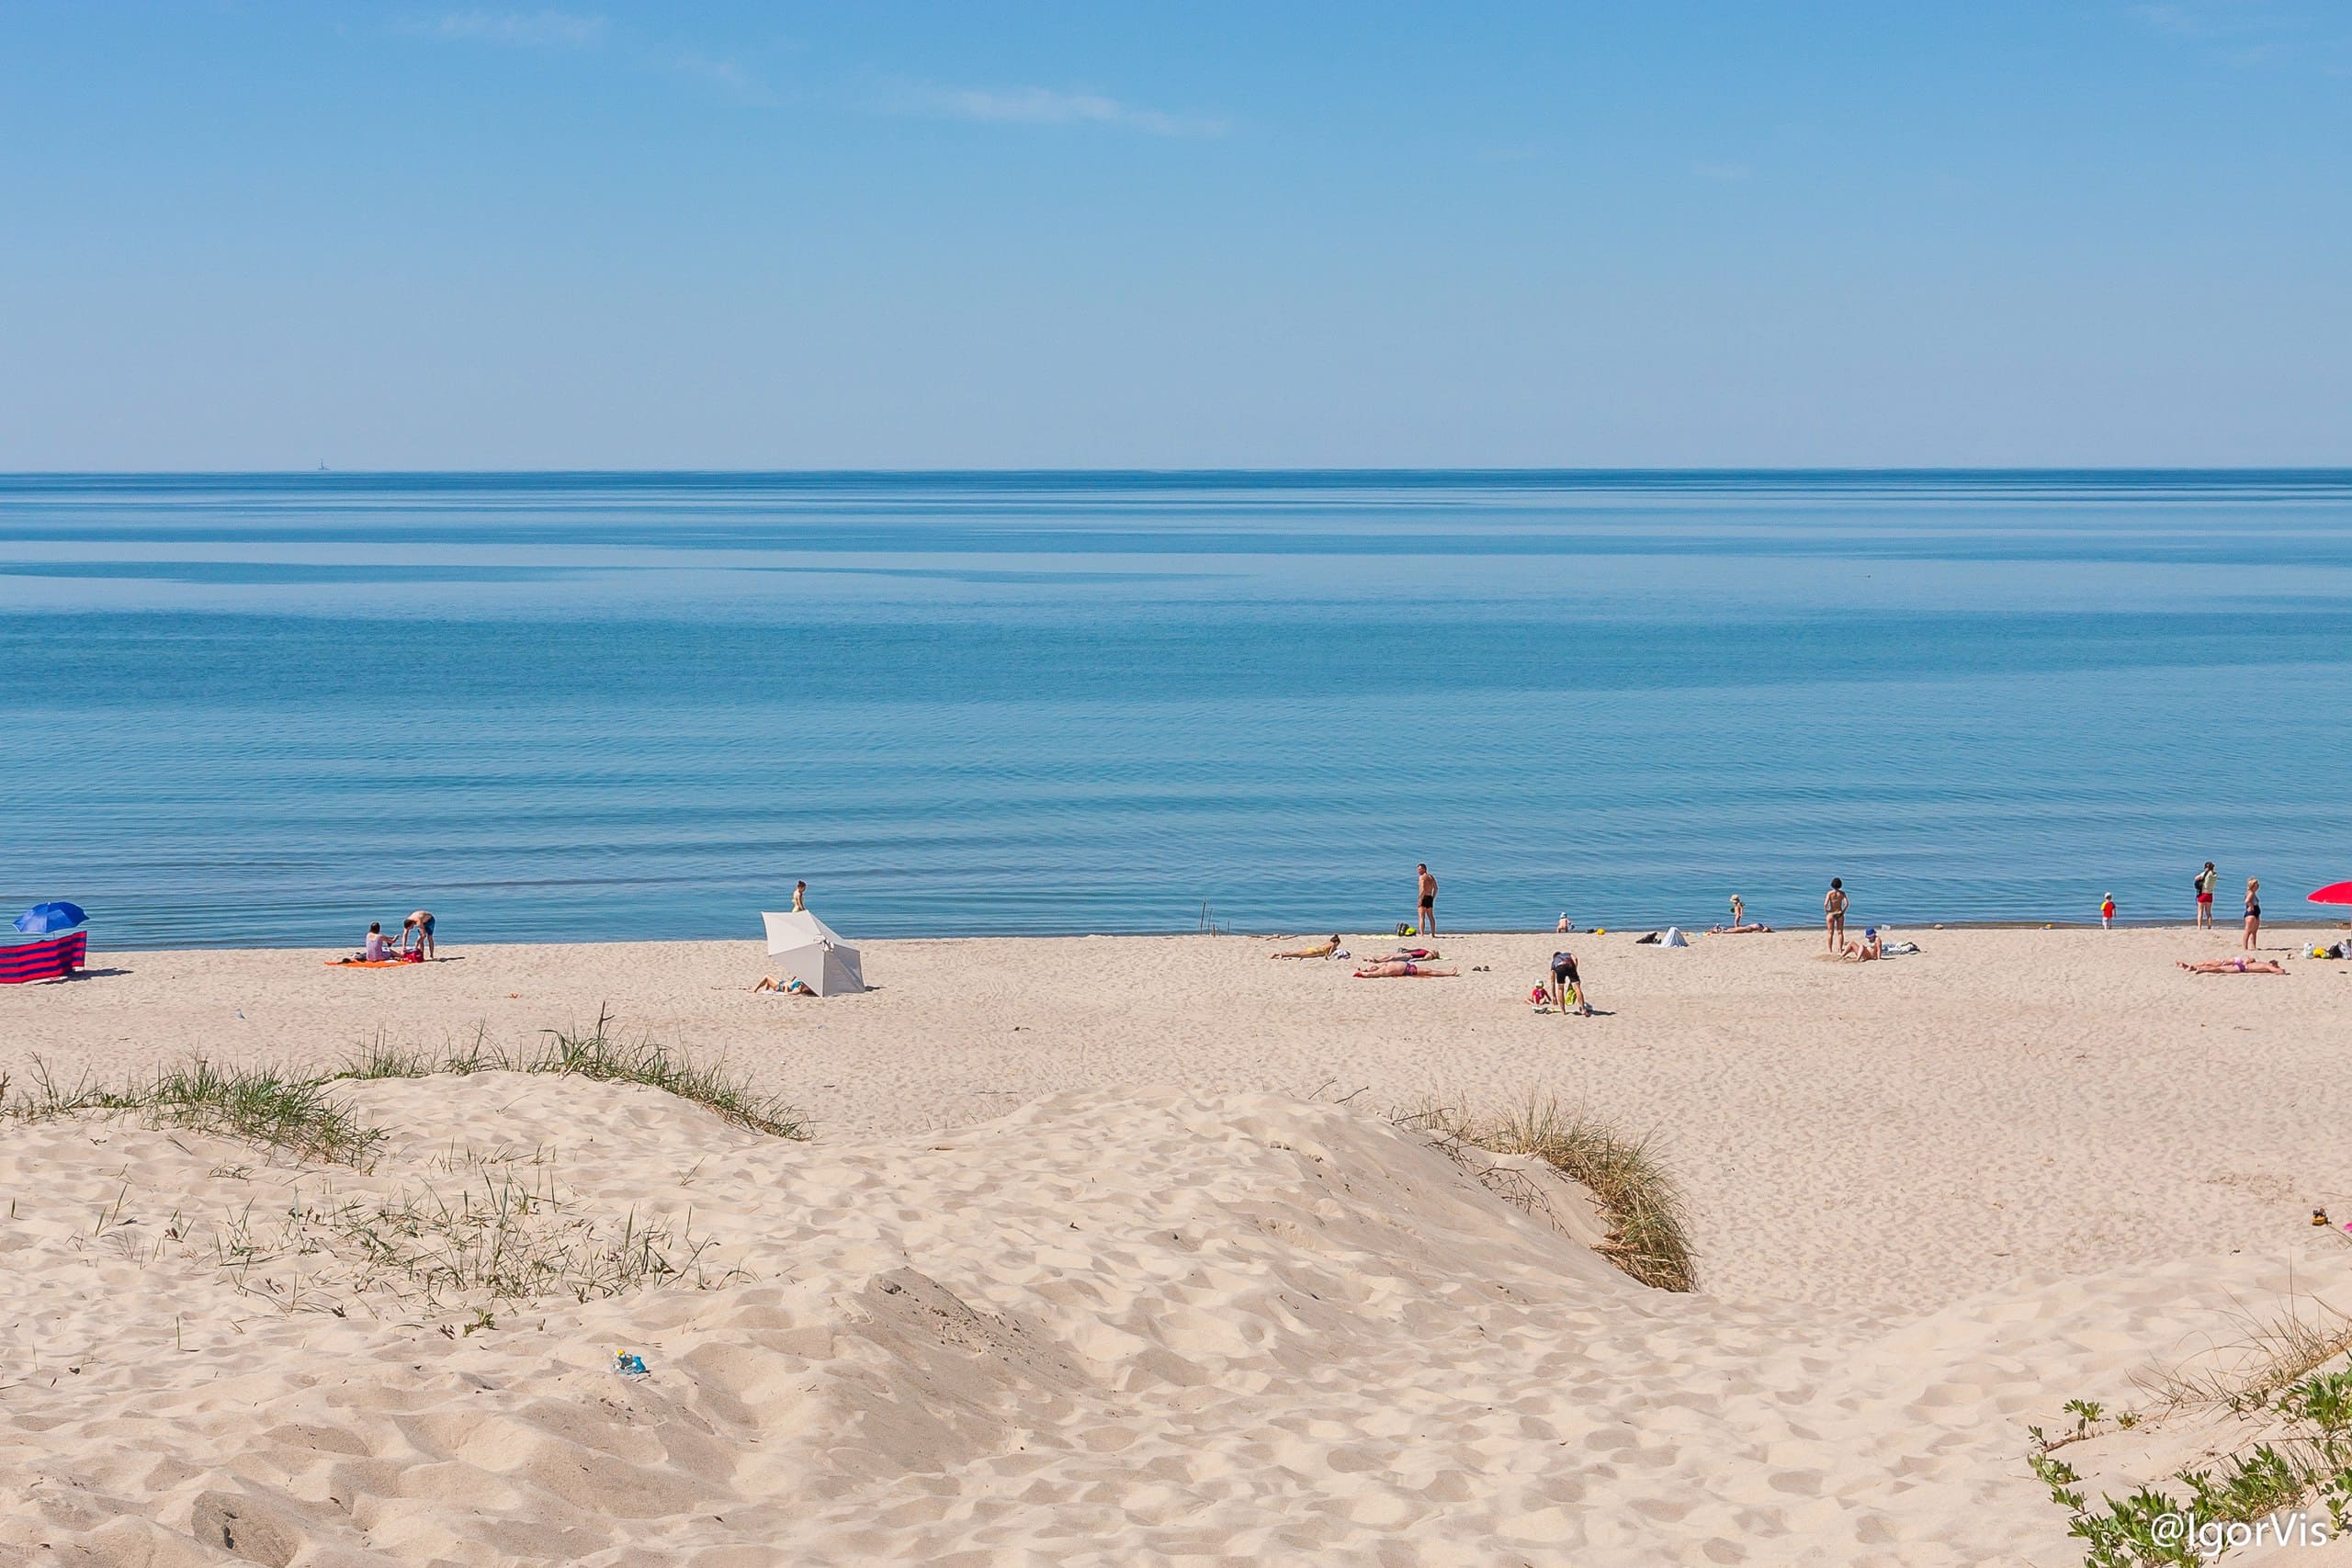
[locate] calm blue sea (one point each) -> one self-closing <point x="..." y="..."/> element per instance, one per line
<point x="267" y="708"/>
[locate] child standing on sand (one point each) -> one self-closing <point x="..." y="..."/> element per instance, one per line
<point x="2107" y="913"/>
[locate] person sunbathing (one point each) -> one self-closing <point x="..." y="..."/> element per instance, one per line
<point x="1402" y="969"/>
<point x="1320" y="950"/>
<point x="1868" y="948"/>
<point x="1748" y="930"/>
<point x="2234" y="966"/>
<point x="791" y="989"/>
<point x="1403" y="955"/>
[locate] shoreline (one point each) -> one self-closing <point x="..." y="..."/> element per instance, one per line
<point x="2310" y="923"/>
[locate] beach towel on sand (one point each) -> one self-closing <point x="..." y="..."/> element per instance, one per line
<point x="371" y="962"/>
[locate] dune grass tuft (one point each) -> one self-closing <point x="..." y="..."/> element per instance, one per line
<point x="600" y="1055"/>
<point x="725" y="1094"/>
<point x="268" y="1106"/>
<point x="496" y="1242"/>
<point x="2270" y="1351"/>
<point x="295" y="1115"/>
<point x="1649" y="1235"/>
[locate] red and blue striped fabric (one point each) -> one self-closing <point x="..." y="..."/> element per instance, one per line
<point x="43" y="960"/>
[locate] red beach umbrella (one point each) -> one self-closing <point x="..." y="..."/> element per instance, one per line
<point x="2333" y="893"/>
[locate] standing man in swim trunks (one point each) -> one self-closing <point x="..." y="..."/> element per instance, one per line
<point x="2205" y="882"/>
<point x="1428" y="901"/>
<point x="421" y="924"/>
<point x="1832" y="911"/>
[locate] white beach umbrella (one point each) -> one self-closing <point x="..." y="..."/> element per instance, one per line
<point x="809" y="951"/>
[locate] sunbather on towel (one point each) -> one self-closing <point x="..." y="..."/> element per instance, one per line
<point x="2235" y="966"/>
<point x="1402" y="969"/>
<point x="1404" y="954"/>
<point x="376" y="948"/>
<point x="1738" y="930"/>
<point x="790" y="988"/>
<point x="1320" y="950"/>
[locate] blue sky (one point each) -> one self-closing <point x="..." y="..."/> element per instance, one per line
<point x="257" y="235"/>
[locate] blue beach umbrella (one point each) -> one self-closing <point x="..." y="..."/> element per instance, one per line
<point x="55" y="917"/>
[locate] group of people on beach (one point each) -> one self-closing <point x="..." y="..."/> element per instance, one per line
<point x="1562" y="989"/>
<point x="414" y="943"/>
<point x="2207" y="880"/>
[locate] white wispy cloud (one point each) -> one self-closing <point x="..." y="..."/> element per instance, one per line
<point x="1045" y="106"/>
<point x="2254" y="34"/>
<point x="723" y="72"/>
<point x="521" y="30"/>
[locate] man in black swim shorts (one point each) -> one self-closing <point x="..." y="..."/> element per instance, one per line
<point x="1566" y="982"/>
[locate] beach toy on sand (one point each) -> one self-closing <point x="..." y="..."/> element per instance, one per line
<point x="629" y="1364"/>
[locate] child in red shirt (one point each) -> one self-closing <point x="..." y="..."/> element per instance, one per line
<point x="2107" y="913"/>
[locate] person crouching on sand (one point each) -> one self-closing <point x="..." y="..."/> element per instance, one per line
<point x="1567" y="984"/>
<point x="1740" y="924"/>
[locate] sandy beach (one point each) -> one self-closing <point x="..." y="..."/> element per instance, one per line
<point x="1905" y="1131"/>
<point x="1106" y="1251"/>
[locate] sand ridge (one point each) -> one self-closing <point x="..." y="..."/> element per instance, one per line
<point x="1109" y="1327"/>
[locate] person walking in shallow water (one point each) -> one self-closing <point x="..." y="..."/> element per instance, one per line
<point x="1428" y="907"/>
<point x="1833" y="913"/>
<point x="2205" y="881"/>
<point x="799" y="897"/>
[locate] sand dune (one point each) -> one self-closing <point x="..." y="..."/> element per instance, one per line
<point x="1155" y="1326"/>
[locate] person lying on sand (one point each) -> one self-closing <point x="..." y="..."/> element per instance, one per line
<point x="1402" y="954"/>
<point x="1402" y="969"/>
<point x="794" y="988"/>
<point x="1320" y="950"/>
<point x="1868" y="948"/>
<point x="1748" y="929"/>
<point x="2234" y="966"/>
